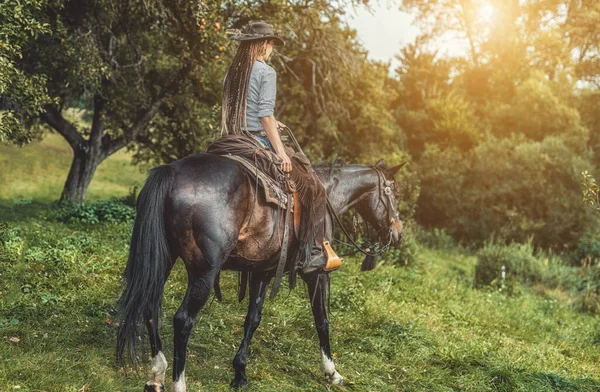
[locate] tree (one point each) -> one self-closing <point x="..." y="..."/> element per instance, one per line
<point x="122" y="62"/>
<point x="22" y="96"/>
<point x="334" y="98"/>
<point x="149" y="75"/>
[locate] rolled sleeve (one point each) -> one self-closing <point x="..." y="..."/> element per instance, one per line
<point x="267" y="93"/>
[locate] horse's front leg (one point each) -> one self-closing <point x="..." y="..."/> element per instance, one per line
<point x="317" y="291"/>
<point x="259" y="282"/>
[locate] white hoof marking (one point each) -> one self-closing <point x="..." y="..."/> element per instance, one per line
<point x="333" y="377"/>
<point x="159" y="367"/>
<point x="179" y="386"/>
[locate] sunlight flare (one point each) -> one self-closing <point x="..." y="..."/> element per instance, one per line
<point x="486" y="12"/>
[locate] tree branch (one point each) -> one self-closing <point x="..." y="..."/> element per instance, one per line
<point x="53" y="117"/>
<point x="145" y="116"/>
<point x="98" y="120"/>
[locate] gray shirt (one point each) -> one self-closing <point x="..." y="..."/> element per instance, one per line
<point x="261" y="95"/>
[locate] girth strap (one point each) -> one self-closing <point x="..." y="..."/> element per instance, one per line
<point x="284" y="249"/>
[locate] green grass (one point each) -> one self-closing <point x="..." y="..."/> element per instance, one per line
<point x="38" y="171"/>
<point x="417" y="328"/>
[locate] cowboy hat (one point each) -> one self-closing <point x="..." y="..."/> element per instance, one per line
<point x="255" y="31"/>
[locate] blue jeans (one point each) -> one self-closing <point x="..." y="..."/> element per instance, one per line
<point x="265" y="142"/>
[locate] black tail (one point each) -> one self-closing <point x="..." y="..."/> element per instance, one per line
<point x="149" y="259"/>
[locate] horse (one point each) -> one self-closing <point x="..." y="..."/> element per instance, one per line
<point x="207" y="211"/>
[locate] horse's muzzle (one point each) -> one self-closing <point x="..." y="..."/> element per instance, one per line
<point x="395" y="231"/>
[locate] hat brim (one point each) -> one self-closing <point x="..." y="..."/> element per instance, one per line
<point x="245" y="37"/>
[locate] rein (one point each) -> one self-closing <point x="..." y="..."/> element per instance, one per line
<point x="387" y="191"/>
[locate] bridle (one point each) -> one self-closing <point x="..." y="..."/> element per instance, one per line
<point x="386" y="193"/>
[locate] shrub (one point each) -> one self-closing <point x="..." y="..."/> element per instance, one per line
<point x="587" y="297"/>
<point x="479" y="194"/>
<point x="587" y="251"/>
<point x="111" y="211"/>
<point x="518" y="261"/>
<point x="436" y="239"/>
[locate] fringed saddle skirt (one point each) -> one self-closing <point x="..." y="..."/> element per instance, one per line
<point x="264" y="166"/>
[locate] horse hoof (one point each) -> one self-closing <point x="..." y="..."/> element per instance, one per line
<point x="239" y="384"/>
<point x="152" y="386"/>
<point x="335" y="379"/>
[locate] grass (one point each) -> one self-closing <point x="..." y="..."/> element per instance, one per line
<point x="37" y="172"/>
<point x="417" y="328"/>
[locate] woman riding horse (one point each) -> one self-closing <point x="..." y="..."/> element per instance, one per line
<point x="205" y="210"/>
<point x="248" y="108"/>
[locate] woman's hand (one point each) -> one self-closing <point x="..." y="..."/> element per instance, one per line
<point x="280" y="126"/>
<point x="286" y="165"/>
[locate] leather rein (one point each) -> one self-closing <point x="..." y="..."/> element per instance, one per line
<point x="385" y="192"/>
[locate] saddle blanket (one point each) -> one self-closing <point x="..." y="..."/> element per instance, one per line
<point x="273" y="192"/>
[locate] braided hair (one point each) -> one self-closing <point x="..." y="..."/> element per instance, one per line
<point x="235" y="89"/>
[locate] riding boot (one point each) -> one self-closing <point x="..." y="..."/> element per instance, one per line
<point x="322" y="255"/>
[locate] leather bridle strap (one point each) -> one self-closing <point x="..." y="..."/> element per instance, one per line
<point x="284" y="248"/>
<point x="358" y="247"/>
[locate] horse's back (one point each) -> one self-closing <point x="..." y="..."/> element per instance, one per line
<point x="208" y="201"/>
<point x="212" y="198"/>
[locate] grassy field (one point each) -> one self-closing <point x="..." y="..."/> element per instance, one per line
<point x="38" y="171"/>
<point x="416" y="328"/>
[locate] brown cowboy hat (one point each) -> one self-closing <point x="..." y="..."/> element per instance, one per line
<point x="255" y="31"/>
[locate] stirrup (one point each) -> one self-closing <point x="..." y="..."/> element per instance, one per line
<point x="333" y="260"/>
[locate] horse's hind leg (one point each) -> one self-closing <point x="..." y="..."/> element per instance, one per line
<point x="203" y="262"/>
<point x="317" y="290"/>
<point x="259" y="282"/>
<point x="159" y="362"/>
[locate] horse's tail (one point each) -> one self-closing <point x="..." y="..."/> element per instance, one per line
<point x="149" y="259"/>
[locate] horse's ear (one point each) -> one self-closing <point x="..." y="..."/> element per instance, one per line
<point x="394" y="170"/>
<point x="379" y="163"/>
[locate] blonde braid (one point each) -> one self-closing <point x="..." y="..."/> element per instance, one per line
<point x="235" y="89"/>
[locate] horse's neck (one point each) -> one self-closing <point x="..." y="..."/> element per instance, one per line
<point x="347" y="185"/>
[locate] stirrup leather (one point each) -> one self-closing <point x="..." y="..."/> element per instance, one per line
<point x="333" y="260"/>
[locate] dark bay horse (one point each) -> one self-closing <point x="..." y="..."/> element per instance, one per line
<point x="207" y="211"/>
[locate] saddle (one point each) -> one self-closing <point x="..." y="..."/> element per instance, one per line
<point x="274" y="192"/>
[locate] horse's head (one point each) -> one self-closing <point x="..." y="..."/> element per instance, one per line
<point x="379" y="205"/>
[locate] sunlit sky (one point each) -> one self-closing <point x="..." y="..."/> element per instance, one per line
<point x="385" y="30"/>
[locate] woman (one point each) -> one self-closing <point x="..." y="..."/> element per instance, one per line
<point x="248" y="108"/>
<point x="250" y="90"/>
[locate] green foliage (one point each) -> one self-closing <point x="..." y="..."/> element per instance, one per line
<point x="501" y="133"/>
<point x="110" y="211"/>
<point x="514" y="188"/>
<point x="536" y="111"/>
<point x="502" y="266"/>
<point x="436" y="239"/>
<point x="21" y="95"/>
<point x="587" y="251"/>
<point x="590" y="191"/>
<point x="588" y="290"/>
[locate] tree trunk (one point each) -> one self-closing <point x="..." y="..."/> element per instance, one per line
<point x="83" y="167"/>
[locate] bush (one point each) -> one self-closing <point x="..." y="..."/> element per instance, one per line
<point x="517" y="261"/>
<point x="436" y="239"/>
<point x="110" y="211"/>
<point x="479" y="194"/>
<point x="587" y="297"/>
<point x="587" y="251"/>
